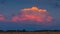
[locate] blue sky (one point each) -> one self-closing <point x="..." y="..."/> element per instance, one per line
<point x="11" y="7"/>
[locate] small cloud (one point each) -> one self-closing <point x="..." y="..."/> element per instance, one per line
<point x="2" y="17"/>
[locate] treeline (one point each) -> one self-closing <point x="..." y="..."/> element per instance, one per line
<point x="30" y="31"/>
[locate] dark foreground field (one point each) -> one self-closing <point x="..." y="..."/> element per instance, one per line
<point x="29" y="32"/>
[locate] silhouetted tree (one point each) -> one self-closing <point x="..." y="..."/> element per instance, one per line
<point x="1" y="31"/>
<point x="24" y="30"/>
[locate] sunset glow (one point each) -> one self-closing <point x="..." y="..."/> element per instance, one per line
<point x="34" y="14"/>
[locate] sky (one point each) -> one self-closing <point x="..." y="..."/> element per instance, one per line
<point x="12" y="7"/>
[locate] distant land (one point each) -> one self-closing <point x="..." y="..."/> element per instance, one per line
<point x="30" y="31"/>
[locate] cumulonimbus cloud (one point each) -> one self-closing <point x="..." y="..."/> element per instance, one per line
<point x="34" y="14"/>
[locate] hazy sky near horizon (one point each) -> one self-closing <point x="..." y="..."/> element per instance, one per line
<point x="12" y="7"/>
